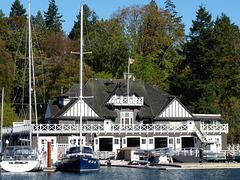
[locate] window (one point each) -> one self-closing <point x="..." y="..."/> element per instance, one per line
<point x="116" y="141"/>
<point x="178" y="141"/>
<point x="170" y="140"/>
<point x="143" y="141"/>
<point x="126" y="118"/>
<point x="124" y="141"/>
<point x="96" y="141"/>
<point x="150" y="141"/>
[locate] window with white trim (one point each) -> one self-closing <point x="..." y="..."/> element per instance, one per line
<point x="126" y="118"/>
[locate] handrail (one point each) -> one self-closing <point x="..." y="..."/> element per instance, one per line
<point x="115" y="128"/>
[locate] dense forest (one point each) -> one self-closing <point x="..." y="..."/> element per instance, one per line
<point x="201" y="68"/>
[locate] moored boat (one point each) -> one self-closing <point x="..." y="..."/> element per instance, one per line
<point x="20" y="159"/>
<point x="79" y="160"/>
<point x="23" y="158"/>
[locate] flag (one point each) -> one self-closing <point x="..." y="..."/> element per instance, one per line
<point x="131" y="61"/>
<point x="128" y="75"/>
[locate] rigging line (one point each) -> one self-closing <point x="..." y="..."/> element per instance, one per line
<point x="42" y="92"/>
<point x="18" y="47"/>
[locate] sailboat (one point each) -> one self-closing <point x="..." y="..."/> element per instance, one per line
<point x="23" y="158"/>
<point x="79" y="158"/>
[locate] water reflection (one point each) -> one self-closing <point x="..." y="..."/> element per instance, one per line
<point x="122" y="173"/>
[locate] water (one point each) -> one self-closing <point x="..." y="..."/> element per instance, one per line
<point x="123" y="173"/>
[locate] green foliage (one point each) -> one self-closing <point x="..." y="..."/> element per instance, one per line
<point x="6" y="71"/>
<point x="154" y="33"/>
<point x="103" y="75"/>
<point x="202" y="69"/>
<point x="109" y="47"/>
<point x="143" y="69"/>
<point x="9" y="115"/>
<point x="197" y="69"/>
<point x="53" y="18"/>
<point x="90" y="19"/>
<point x="17" y="9"/>
<point x="1" y="14"/>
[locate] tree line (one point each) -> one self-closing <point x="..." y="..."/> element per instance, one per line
<point x="202" y="68"/>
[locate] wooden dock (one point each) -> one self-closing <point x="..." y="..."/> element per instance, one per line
<point x="177" y="166"/>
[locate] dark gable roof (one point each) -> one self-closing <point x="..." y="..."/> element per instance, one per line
<point x="155" y="99"/>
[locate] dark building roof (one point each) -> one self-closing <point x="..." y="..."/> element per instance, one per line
<point x="155" y="99"/>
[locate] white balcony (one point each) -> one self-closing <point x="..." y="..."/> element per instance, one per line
<point x="214" y="128"/>
<point x="115" y="128"/>
<point x="126" y="100"/>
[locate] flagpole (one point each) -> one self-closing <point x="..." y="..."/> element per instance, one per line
<point x="128" y="78"/>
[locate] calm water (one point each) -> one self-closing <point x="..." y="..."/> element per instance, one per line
<point x="115" y="173"/>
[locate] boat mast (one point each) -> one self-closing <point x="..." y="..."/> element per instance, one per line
<point x="2" y="119"/>
<point x="30" y="97"/>
<point x="80" y="89"/>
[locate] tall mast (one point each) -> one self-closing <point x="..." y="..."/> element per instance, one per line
<point x="2" y="119"/>
<point x="128" y="79"/>
<point x="80" y="89"/>
<point x="30" y="97"/>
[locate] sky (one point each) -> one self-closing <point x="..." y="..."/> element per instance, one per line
<point x="104" y="8"/>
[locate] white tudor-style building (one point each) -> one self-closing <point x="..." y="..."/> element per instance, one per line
<point x="147" y="118"/>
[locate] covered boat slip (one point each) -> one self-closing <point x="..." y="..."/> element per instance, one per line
<point x="110" y="143"/>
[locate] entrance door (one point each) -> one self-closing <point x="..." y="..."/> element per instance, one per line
<point x="160" y="142"/>
<point x="177" y="143"/>
<point x="133" y="142"/>
<point x="187" y="142"/>
<point x="105" y="144"/>
<point x="171" y="142"/>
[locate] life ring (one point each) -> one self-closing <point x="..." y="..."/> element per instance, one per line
<point x="60" y="155"/>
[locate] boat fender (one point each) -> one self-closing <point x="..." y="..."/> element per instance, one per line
<point x="60" y="155"/>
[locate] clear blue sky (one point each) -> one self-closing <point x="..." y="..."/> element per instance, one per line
<point x="104" y="8"/>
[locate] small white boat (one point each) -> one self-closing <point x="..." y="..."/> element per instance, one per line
<point x="20" y="159"/>
<point x="23" y="158"/>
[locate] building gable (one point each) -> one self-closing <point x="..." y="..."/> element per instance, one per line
<point x="73" y="111"/>
<point x="175" y="110"/>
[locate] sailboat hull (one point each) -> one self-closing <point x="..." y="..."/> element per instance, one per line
<point x="78" y="164"/>
<point x="21" y="165"/>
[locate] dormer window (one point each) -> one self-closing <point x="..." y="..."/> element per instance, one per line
<point x="126" y="118"/>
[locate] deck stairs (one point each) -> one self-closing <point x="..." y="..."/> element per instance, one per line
<point x="200" y="135"/>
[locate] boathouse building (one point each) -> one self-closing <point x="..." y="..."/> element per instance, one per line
<point x="118" y="115"/>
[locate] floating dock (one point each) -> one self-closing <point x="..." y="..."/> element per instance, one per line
<point x="176" y="166"/>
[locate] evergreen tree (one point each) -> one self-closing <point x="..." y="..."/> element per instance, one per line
<point x="198" y="88"/>
<point x="53" y="18"/>
<point x="17" y="9"/>
<point x="6" y="71"/>
<point x="89" y="20"/>
<point x="40" y="28"/>
<point x="1" y="14"/>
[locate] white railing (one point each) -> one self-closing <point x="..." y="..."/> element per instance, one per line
<point x="98" y="128"/>
<point x="115" y="128"/>
<point x="126" y="100"/>
<point x="214" y="128"/>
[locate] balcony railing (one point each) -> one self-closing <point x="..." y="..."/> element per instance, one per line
<point x="115" y="128"/>
<point x="126" y="100"/>
<point x="214" y="128"/>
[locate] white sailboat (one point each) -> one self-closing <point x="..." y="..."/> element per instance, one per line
<point x="79" y="158"/>
<point x="23" y="158"/>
